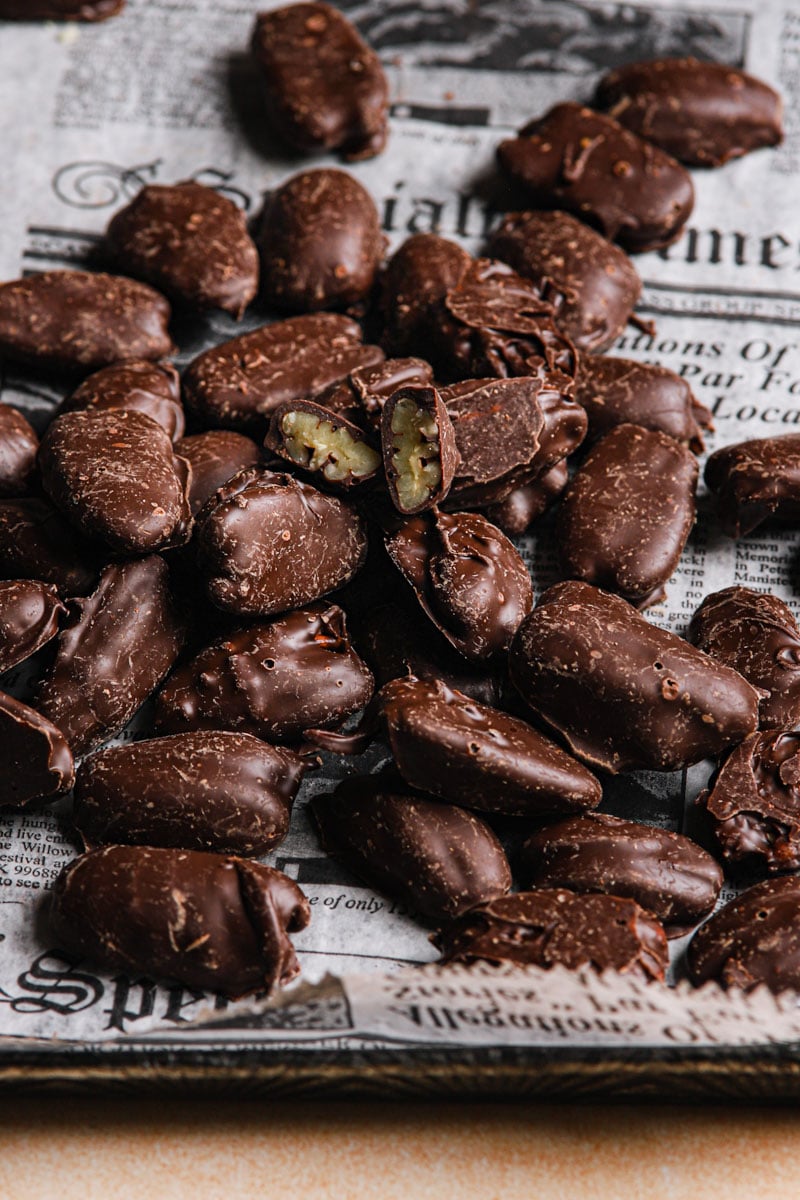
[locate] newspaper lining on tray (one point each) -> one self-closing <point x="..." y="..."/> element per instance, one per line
<point x="167" y="92"/>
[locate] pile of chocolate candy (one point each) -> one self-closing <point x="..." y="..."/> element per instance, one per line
<point x="199" y="568"/>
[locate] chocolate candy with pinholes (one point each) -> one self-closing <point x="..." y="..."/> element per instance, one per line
<point x="150" y="388"/>
<point x="702" y="113"/>
<point x="592" y="284"/>
<point x="37" y="543"/>
<point x="323" y="443"/>
<point x="586" y="163"/>
<point x="59" y="10"/>
<point x="222" y="791"/>
<point x="414" y="283"/>
<point x="215" y="457"/>
<point x="18" y="447"/>
<point x="556" y="927"/>
<point x="274" y="680"/>
<point x="324" y="87"/>
<point x="620" y="391"/>
<point x="420" y="454"/>
<point x="623" y="693"/>
<point x="211" y="922"/>
<point x="668" y="874"/>
<point x="754" y="939"/>
<point x="756" y="481"/>
<point x="29" y="615"/>
<point x="37" y="762"/>
<point x="436" y="858"/>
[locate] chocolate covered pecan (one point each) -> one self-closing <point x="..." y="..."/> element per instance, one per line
<point x="754" y="939"/>
<point x="37" y="543"/>
<point x="150" y="388"/>
<point x="37" y="762"/>
<point x="322" y="442"/>
<point x="619" y="391"/>
<point x="18" y="447"/>
<point x="215" y="457"/>
<point x="29" y="614"/>
<point x="756" y="481"/>
<point x="420" y="453"/>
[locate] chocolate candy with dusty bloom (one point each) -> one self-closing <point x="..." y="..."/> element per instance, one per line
<point x="29" y="615"/>
<point x="620" y="391"/>
<point x="211" y="922"/>
<point x="37" y="543"/>
<point x="754" y="939"/>
<point x="18" y="448"/>
<point x="414" y="283"/>
<point x="756" y="481"/>
<point x="322" y="442"/>
<point x="215" y="457"/>
<point x="37" y="762"/>
<point x="420" y="454"/>
<point x="150" y="388"/>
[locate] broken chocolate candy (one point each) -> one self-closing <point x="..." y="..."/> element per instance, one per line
<point x="116" y="476"/>
<point x="586" y="163"/>
<point x="227" y="792"/>
<point x="757" y="635"/>
<point x="592" y="284"/>
<point x="622" y="692"/>
<point x="668" y="874"/>
<point x="37" y="543"/>
<point x="468" y="578"/>
<point x="436" y="858"/>
<point x="150" y="388"/>
<point x="324" y="87"/>
<point x="320" y="242"/>
<point x="754" y="939"/>
<point x="237" y="384"/>
<point x="420" y="454"/>
<point x="59" y="10"/>
<point x="619" y="391"/>
<point x="756" y="481"/>
<point x="618" y="531"/>
<point x="29" y="613"/>
<point x="267" y="542"/>
<point x="37" y="762"/>
<point x="18" y="447"/>
<point x="211" y="922"/>
<point x="555" y="927"/>
<point x="414" y="283"/>
<point x="322" y="442"/>
<point x="74" y="321"/>
<point x="702" y="113"/>
<point x="215" y="457"/>
<point x="519" y="510"/>
<point x="362" y="395"/>
<point x="120" y="643"/>
<point x="274" y="680"/>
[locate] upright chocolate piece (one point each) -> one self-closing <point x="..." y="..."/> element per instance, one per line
<point x="37" y="763"/>
<point x="238" y="384"/>
<point x="415" y="281"/>
<point x="436" y="858"/>
<point x="323" y="442"/>
<point x="59" y="10"/>
<point x="37" y="543"/>
<point x="273" y="680"/>
<point x="420" y="454"/>
<point x="78" y="322"/>
<point x="468" y="578"/>
<point x="18" y="447"/>
<point x="519" y="510"/>
<point x="267" y="543"/>
<point x="619" y="391"/>
<point x="756" y="481"/>
<point x="668" y="874"/>
<point x="702" y="113"/>
<point x="555" y="927"/>
<point x="614" y="527"/>
<point x="324" y="88"/>
<point x="215" y="457"/>
<point x="121" y="642"/>
<point x="116" y="476"/>
<point x="754" y="939"/>
<point x="150" y="388"/>
<point x="622" y="692"/>
<point x="226" y="792"/>
<point x="215" y="923"/>
<point x="585" y="162"/>
<point x="362" y="395"/>
<point x="592" y="284"/>
<point x="563" y="431"/>
<point x="29" y="613"/>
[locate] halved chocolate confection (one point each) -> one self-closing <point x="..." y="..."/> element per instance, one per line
<point x="322" y="442"/>
<point x="420" y="454"/>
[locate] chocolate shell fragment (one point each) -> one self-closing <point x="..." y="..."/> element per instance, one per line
<point x="362" y="395"/>
<point x="215" y="457"/>
<point x="420" y="454"/>
<point x="754" y="939"/>
<point x="555" y="927"/>
<point x="322" y="442"/>
<point x="29" y="615"/>
<point x="414" y="283"/>
<point x="59" y="10"/>
<point x="586" y="163"/>
<point x="150" y="388"/>
<point x="37" y="543"/>
<point x="215" y="923"/>
<point x="622" y="692"/>
<point x="756" y="481"/>
<point x="37" y="762"/>
<point x="18" y="447"/>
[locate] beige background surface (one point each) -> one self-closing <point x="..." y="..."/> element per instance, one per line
<point x="60" y="1148"/>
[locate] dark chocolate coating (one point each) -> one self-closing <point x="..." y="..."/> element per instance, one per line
<point x="150" y="388"/>
<point x="556" y="927"/>
<point x="614" y="527"/>
<point x="37" y="762"/>
<point x="59" y="10"/>
<point x="519" y="510"/>
<point x="18" y="447"/>
<point x="592" y="284"/>
<point x="214" y="923"/>
<point x="116" y="476"/>
<point x="189" y="242"/>
<point x="267" y="542"/>
<point x="221" y="791"/>
<point x="436" y="858"/>
<point x="757" y="635"/>
<point x="469" y="579"/>
<point x="619" y="391"/>
<point x="586" y="163"/>
<point x="274" y="680"/>
<point x="362" y="395"/>
<point x="414" y="283"/>
<point x="324" y="443"/>
<point x="420" y="452"/>
<point x="120" y="643"/>
<point x="29" y="613"/>
<point x="237" y="384"/>
<point x="320" y="242"/>
<point x="702" y="113"/>
<point x="754" y="939"/>
<point x="622" y="692"/>
<point x="756" y="481"/>
<point x="75" y="321"/>
<point x="215" y="457"/>
<point x="668" y="874"/>
<point x="37" y="543"/>
<point x="324" y="87"/>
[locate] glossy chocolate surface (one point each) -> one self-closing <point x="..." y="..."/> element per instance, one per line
<point x="150" y="388"/>
<point x="617" y="391"/>
<point x="754" y="939"/>
<point x="517" y="512"/>
<point x="756" y="481"/>
<point x="18" y="447"/>
<point x="37" y="543"/>
<point x="414" y="283"/>
<point x="37" y="762"/>
<point x="29" y="615"/>
<point x="215" y="457"/>
<point x="420" y="450"/>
